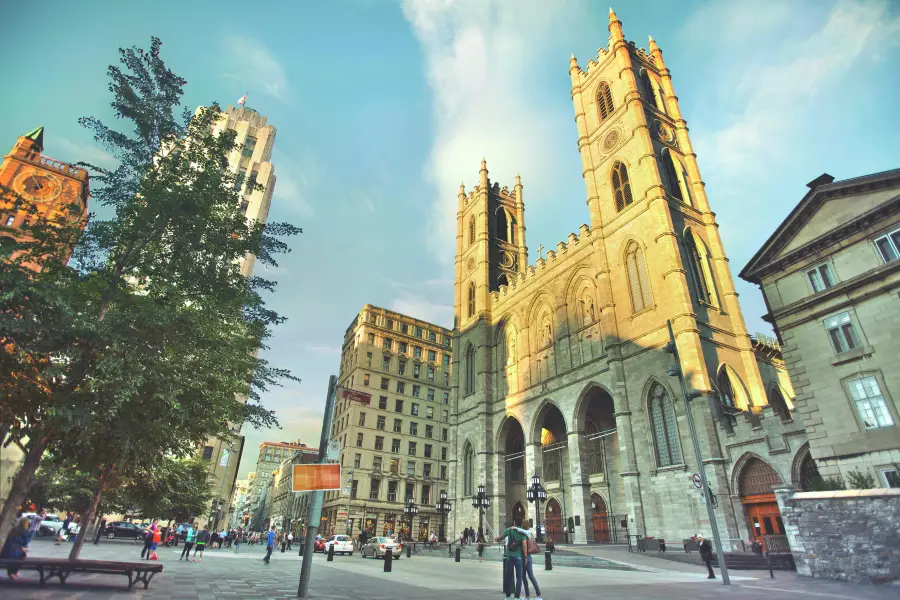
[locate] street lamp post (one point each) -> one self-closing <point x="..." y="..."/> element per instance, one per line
<point x="410" y="510"/>
<point x="443" y="507"/>
<point x="537" y="494"/>
<point x="481" y="502"/>
<point x="218" y="507"/>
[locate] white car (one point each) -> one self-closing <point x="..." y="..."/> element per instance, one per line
<point x="342" y="544"/>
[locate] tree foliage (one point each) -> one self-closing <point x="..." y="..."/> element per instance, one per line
<point x="146" y="343"/>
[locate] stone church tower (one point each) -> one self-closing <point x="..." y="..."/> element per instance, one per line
<point x="560" y="370"/>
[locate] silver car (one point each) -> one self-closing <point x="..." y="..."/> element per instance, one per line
<point x="378" y="547"/>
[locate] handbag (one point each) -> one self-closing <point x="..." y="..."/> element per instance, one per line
<point x="533" y="547"/>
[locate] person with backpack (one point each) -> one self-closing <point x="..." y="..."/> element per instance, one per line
<point x="530" y="548"/>
<point x="514" y="553"/>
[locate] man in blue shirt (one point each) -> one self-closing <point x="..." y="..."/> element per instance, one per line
<point x="270" y="544"/>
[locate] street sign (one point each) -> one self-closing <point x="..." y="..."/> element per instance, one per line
<point x="321" y="477"/>
<point x="346" y="491"/>
<point x="697" y="480"/>
<point x="334" y="450"/>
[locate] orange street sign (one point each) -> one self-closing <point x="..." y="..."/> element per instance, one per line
<point x="308" y="478"/>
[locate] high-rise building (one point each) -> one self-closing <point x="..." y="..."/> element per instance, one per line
<point x="251" y="161"/>
<point x="271" y="456"/>
<point x="392" y="419"/>
<point x="561" y="366"/>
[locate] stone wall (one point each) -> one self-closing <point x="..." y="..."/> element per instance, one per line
<point x="849" y="534"/>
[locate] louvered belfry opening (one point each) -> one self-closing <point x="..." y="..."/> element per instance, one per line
<point x="621" y="186"/>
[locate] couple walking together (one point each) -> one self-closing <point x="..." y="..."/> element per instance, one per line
<point x="519" y="547"/>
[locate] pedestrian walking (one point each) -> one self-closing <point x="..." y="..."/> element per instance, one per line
<point x="36" y="522"/>
<point x="148" y="543"/>
<point x="202" y="539"/>
<point x="238" y="538"/>
<point x="290" y="538"/>
<point x="514" y="541"/>
<point x="189" y="539"/>
<point x="64" y="530"/>
<point x="16" y="546"/>
<point x="706" y="552"/>
<point x="530" y="548"/>
<point x="270" y="545"/>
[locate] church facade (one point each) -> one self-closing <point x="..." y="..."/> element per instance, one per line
<point x="559" y="366"/>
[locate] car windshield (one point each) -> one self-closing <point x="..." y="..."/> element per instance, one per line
<point x="341" y="538"/>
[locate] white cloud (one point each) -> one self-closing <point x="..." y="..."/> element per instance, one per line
<point x="779" y="94"/>
<point x="323" y="349"/>
<point x="250" y="64"/>
<point x="481" y="59"/>
<point x="68" y="151"/>
<point x="420" y="307"/>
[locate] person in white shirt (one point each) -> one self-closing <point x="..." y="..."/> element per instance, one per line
<point x="528" y="564"/>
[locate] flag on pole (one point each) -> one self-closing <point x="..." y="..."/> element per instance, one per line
<point x="242" y="100"/>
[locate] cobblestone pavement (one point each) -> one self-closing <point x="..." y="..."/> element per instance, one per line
<point x="227" y="575"/>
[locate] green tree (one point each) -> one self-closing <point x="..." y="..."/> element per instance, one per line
<point x="860" y="481"/>
<point x="177" y="490"/>
<point x="148" y="343"/>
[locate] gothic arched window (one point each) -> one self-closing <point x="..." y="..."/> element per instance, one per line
<point x="731" y="389"/>
<point x="699" y="267"/>
<point x="470" y="370"/>
<point x="638" y="278"/>
<point x="648" y="88"/>
<point x="776" y="401"/>
<point x="471" y="299"/>
<point x="621" y="186"/>
<point x="468" y="471"/>
<point x="472" y="230"/>
<point x="678" y="183"/>
<point x="665" y="432"/>
<point x="502" y="280"/>
<point x="604" y="101"/>
<point x="502" y="226"/>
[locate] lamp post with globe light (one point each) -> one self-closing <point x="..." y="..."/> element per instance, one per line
<point x="481" y="502"/>
<point x="537" y="494"/>
<point x="410" y="510"/>
<point x="443" y="507"/>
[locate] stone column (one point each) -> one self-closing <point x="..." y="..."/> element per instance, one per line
<point x="533" y="466"/>
<point x="630" y="474"/>
<point x="580" y="503"/>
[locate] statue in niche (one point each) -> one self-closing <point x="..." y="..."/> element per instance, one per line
<point x="511" y="351"/>
<point x="546" y="330"/>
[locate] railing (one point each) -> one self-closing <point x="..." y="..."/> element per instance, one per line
<point x="52" y="163"/>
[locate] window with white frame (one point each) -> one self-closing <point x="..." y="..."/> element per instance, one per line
<point x="820" y="278"/>
<point x="889" y="246"/>
<point x="891" y="477"/>
<point x="842" y="333"/>
<point x="870" y="403"/>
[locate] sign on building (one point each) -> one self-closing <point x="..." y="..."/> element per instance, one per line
<point x="355" y="396"/>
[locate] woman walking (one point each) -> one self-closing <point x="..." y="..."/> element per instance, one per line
<point x="531" y="547"/>
<point x="16" y="546"/>
<point x="189" y="540"/>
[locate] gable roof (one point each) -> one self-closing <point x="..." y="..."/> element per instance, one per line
<point x="821" y="190"/>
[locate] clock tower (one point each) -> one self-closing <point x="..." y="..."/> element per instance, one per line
<point x="33" y="187"/>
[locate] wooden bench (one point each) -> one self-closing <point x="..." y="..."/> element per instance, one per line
<point x="61" y="568"/>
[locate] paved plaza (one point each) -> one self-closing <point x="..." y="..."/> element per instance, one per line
<point x="224" y="574"/>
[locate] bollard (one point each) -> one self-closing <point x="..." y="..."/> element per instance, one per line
<point x="301" y="549"/>
<point x="331" y="553"/>
<point x="458" y="551"/>
<point x="548" y="560"/>
<point x="388" y="560"/>
<point x="409" y="551"/>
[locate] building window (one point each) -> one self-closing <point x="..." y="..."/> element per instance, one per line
<point x="413" y="428"/>
<point x="385" y="382"/>
<point x="443" y="454"/>
<point x="426" y="467"/>
<point x="431" y="395"/>
<point x="446" y="398"/>
<point x="446" y="360"/>
<point x="841" y="332"/>
<point x="395" y="446"/>
<point x="649" y="96"/>
<point x="429" y="431"/>
<point x="417" y="352"/>
<point x="354" y="489"/>
<point x="398" y="425"/>
<point x="371" y="338"/>
<point x="778" y="404"/>
<point x="698" y="265"/>
<point x="444" y="434"/>
<point x="362" y="419"/>
<point x="401" y="367"/>
<point x="820" y="278"/>
<point x="446" y="414"/>
<point x="417" y="370"/>
<point x="401" y="387"/>
<point x="889" y="246"/>
<point x="470" y="370"/>
<point x="665" y="433"/>
<point x="380" y="423"/>
<point x="621" y="187"/>
<point x="471" y="299"/>
<point x="410" y="467"/>
<point x="414" y="409"/>
<point x="429" y="412"/>
<point x="468" y="471"/>
<point x="389" y="323"/>
<point x="386" y="363"/>
<point x="359" y="440"/>
<point x="404" y="328"/>
<point x="870" y="404"/>
<point x="401" y="347"/>
<point x="604" y="101"/>
<point x="412" y="449"/>
<point x="365" y="379"/>
<point x="446" y="378"/>
<point x="430" y="373"/>
<point x="395" y="466"/>
<point x="368" y="359"/>
<point x="432" y="336"/>
<point x="373" y="489"/>
<point x="679" y="184"/>
<point x="471" y="230"/>
<point x="432" y="355"/>
<point x="382" y="402"/>
<point x="427" y="450"/>
<point x="208" y="452"/>
<point x="398" y="406"/>
<point x="419" y="333"/>
<point x="376" y="463"/>
<point x="891" y="477"/>
<point x="416" y="391"/>
<point x="426" y="494"/>
<point x="638" y="278"/>
<point x="357" y="460"/>
<point x="387" y="344"/>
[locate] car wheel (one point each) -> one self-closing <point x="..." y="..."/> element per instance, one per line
<point x="110" y="535"/>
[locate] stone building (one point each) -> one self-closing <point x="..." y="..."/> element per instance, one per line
<point x="559" y="366"/>
<point x="251" y="161"/>
<point x="830" y="275"/>
<point x="392" y="419"/>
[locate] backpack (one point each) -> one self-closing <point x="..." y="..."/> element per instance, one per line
<point x="513" y="544"/>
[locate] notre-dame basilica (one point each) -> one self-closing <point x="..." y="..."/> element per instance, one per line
<point x="559" y="365"/>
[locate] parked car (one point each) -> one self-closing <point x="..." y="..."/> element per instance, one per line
<point x="125" y="530"/>
<point x="378" y="547"/>
<point x="342" y="544"/>
<point x="49" y="526"/>
<point x="319" y="544"/>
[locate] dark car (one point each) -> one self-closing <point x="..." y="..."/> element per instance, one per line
<point x="125" y="530"/>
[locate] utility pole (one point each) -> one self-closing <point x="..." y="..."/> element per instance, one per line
<point x="314" y="514"/>
<point x="676" y="371"/>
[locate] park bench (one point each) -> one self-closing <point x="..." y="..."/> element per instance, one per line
<point x="61" y="568"/>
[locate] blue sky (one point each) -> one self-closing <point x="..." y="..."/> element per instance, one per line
<point x="383" y="107"/>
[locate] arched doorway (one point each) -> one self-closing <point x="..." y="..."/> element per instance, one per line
<point x="756" y="486"/>
<point x="551" y="428"/>
<point x="553" y="521"/>
<point x="808" y="476"/>
<point x="601" y="518"/>
<point x="518" y="511"/>
<point x="512" y="442"/>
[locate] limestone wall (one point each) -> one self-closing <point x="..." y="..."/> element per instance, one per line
<point x="849" y="534"/>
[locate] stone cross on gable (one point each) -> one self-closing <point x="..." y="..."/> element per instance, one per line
<point x="540" y="251"/>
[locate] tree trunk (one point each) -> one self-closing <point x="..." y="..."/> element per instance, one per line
<point x="89" y="515"/>
<point x="21" y="484"/>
